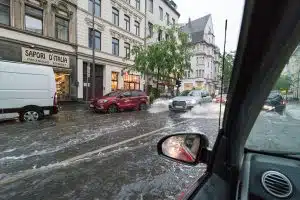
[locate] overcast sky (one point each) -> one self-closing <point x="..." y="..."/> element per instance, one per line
<point x="220" y="10"/>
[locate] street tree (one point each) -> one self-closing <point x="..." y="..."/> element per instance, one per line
<point x="283" y="83"/>
<point x="228" y="65"/>
<point x="167" y="59"/>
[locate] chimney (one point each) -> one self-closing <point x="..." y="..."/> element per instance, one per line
<point x="190" y="23"/>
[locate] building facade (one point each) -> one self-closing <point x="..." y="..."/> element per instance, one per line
<point x="206" y="56"/>
<point x="42" y="32"/>
<point x="119" y="25"/>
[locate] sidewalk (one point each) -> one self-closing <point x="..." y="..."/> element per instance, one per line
<point x="293" y="110"/>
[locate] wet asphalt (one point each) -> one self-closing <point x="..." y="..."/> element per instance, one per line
<point x="78" y="154"/>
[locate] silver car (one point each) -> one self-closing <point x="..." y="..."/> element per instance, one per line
<point x="189" y="100"/>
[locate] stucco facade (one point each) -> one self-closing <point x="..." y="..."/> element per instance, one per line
<point x="17" y="34"/>
<point x="205" y="61"/>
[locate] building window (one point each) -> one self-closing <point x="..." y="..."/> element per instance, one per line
<point x="33" y="19"/>
<point x="137" y="27"/>
<point x="173" y="21"/>
<point x="200" y="60"/>
<point x="127" y="50"/>
<point x="137" y="4"/>
<point x="150" y="6"/>
<point x="115" y="16"/>
<point x="131" y="82"/>
<point x="114" y="81"/>
<point x="97" y="39"/>
<point x="97" y="7"/>
<point x="168" y="18"/>
<point x="167" y="37"/>
<point x="61" y="28"/>
<point x="127" y="22"/>
<point x="159" y="35"/>
<point x="161" y="14"/>
<point x="150" y="27"/>
<point x="115" y="46"/>
<point x="5" y="12"/>
<point x="189" y="74"/>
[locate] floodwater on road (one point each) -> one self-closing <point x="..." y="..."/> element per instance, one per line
<point x="79" y="154"/>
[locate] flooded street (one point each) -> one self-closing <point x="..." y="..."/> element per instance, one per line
<point x="79" y="154"/>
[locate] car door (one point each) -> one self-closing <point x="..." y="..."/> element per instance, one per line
<point x="256" y="68"/>
<point x="125" y="101"/>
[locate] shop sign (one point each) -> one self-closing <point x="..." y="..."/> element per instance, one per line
<point x="45" y="58"/>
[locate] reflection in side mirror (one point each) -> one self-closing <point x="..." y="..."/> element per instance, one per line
<point x="189" y="148"/>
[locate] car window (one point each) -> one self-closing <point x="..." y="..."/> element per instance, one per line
<point x="277" y="126"/>
<point x="112" y="94"/>
<point x="127" y="94"/>
<point x="185" y="93"/>
<point x="135" y="93"/>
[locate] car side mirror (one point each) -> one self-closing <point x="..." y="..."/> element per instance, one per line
<point x="187" y="148"/>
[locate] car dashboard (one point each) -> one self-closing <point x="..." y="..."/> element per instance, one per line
<point x="267" y="177"/>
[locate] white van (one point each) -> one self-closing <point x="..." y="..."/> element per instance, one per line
<point x="29" y="90"/>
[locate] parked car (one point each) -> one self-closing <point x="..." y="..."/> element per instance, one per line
<point x="28" y="90"/>
<point x="121" y="100"/>
<point x="275" y="102"/>
<point x="218" y="98"/>
<point x="193" y="98"/>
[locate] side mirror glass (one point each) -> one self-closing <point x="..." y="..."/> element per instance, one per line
<point x="188" y="148"/>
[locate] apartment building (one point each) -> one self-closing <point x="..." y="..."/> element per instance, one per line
<point x="42" y="32"/>
<point x="206" y="56"/>
<point x="119" y="25"/>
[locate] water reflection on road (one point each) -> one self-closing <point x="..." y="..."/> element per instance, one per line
<point x="83" y="155"/>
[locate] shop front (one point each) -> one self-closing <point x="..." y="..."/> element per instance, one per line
<point x="131" y="82"/>
<point x="63" y="64"/>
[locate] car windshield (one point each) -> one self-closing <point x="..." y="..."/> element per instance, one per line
<point x="277" y="126"/>
<point x="185" y="93"/>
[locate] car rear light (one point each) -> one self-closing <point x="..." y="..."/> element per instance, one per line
<point x="55" y="99"/>
<point x="283" y="102"/>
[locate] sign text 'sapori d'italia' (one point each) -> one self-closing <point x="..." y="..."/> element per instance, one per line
<point x="44" y="58"/>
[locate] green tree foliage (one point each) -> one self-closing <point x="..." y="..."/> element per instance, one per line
<point x="228" y="65"/>
<point x="167" y="58"/>
<point x="283" y="83"/>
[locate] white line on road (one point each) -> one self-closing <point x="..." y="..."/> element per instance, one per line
<point x="81" y="157"/>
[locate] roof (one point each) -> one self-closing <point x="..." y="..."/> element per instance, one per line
<point x="196" y="28"/>
<point x="171" y="5"/>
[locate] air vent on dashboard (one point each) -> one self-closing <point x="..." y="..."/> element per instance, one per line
<point x="277" y="184"/>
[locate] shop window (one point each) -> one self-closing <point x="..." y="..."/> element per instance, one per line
<point x="62" y="86"/>
<point x="115" y="16"/>
<point x="137" y="27"/>
<point x="127" y="22"/>
<point x="131" y="82"/>
<point x="62" y="28"/>
<point x="97" y="39"/>
<point x="97" y="7"/>
<point x="114" y="81"/>
<point x="5" y="12"/>
<point x="33" y="19"/>
<point x="115" y="46"/>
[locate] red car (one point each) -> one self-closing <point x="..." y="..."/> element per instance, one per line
<point x="121" y="100"/>
<point x="218" y="98"/>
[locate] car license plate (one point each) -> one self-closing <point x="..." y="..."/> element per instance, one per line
<point x="46" y="112"/>
<point x="178" y="106"/>
<point x="91" y="106"/>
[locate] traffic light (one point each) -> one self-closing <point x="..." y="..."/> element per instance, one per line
<point x="178" y="83"/>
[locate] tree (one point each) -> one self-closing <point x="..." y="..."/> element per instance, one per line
<point x="166" y="59"/>
<point x="228" y="65"/>
<point x="283" y="83"/>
